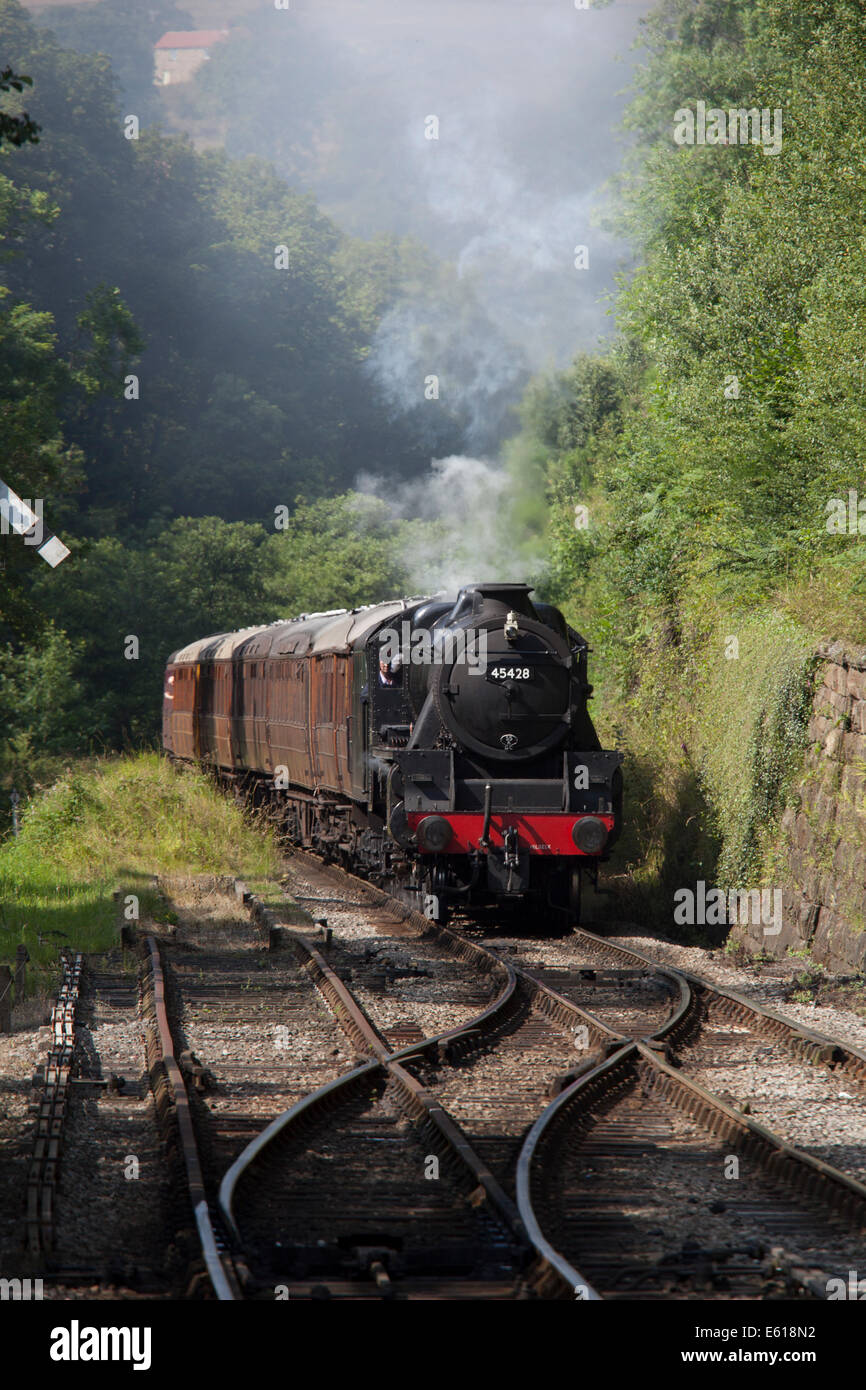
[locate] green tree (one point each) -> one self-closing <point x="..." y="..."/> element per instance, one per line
<point x="133" y="605"/>
<point x="126" y="34"/>
<point x="338" y="552"/>
<point x="41" y="700"/>
<point x="16" y="129"/>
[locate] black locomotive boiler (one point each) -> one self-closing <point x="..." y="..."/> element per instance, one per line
<point x="441" y="746"/>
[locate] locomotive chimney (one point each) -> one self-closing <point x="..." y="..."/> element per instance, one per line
<point x="491" y="599"/>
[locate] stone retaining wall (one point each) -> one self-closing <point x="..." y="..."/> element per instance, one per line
<point x="821" y="853"/>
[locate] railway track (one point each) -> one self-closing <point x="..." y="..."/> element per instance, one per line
<point x="439" y="1219"/>
<point x="636" y="1173"/>
<point x="237" y="1034"/>
<point x="638" y="1182"/>
<point x="215" y="995"/>
<point x="774" y="1235"/>
<point x="808" y="1088"/>
<point x="434" y="1222"/>
<point x="635" y="1002"/>
<point x="368" y="1190"/>
<point x="377" y="1107"/>
<point x="98" y="1190"/>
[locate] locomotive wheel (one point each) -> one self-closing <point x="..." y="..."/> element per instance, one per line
<point x="559" y="899"/>
<point x="434" y="903"/>
<point x="575" y="885"/>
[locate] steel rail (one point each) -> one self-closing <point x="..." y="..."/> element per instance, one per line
<point x="460" y="1039"/>
<point x="797" y="1169"/>
<point x="448" y="1044"/>
<point x="222" y="1277"/>
<point x="415" y="1099"/>
<point x="780" y="1158"/>
<point x="562" y="1268"/>
<point x="807" y="1042"/>
<point x="784" y="1163"/>
<point x="302" y="1108"/>
<point x="44" y="1170"/>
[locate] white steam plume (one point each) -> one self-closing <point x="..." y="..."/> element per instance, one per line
<point x="466" y="525"/>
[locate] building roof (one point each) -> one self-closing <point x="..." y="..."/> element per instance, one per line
<point x="191" y="38"/>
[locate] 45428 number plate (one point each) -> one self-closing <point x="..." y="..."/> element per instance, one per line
<point x="511" y="673"/>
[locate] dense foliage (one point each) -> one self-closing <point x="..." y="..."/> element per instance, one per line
<point x="708" y="445"/>
<point x="183" y="359"/>
<point x="710" y="442"/>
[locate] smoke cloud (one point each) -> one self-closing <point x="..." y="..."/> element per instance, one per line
<point x="526" y="98"/>
<point x="466" y="524"/>
<point x="478" y="375"/>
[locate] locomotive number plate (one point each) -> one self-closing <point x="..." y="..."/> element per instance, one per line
<point x="511" y="673"/>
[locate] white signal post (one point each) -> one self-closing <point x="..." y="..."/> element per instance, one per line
<point x="24" y="522"/>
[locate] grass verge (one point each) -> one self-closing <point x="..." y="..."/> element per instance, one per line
<point x="113" y="827"/>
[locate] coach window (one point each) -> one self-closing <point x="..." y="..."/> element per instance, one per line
<point x="329" y="690"/>
<point x="297" y="694"/>
<point x="319" y="677"/>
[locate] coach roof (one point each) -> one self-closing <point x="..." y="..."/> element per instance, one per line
<point x="318" y="633"/>
<point x="208" y="648"/>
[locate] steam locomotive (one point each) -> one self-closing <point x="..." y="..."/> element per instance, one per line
<point x="441" y="746"/>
